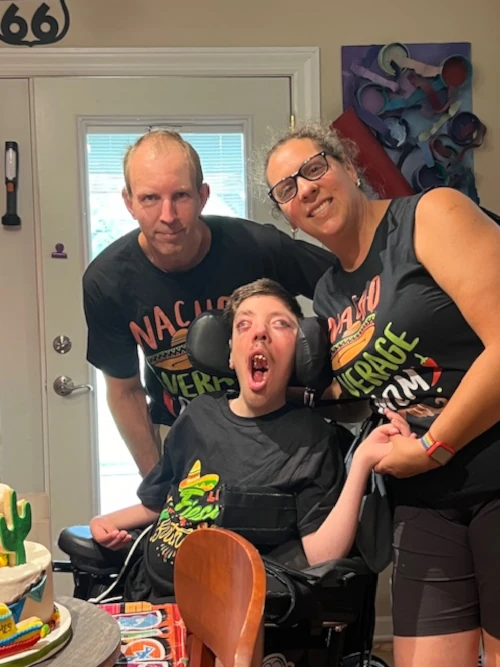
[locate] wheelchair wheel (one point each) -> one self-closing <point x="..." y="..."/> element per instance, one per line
<point x="353" y="661"/>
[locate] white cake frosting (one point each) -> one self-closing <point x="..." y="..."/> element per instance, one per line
<point x="15" y="581"/>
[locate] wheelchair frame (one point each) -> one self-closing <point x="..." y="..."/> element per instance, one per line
<point x="345" y="636"/>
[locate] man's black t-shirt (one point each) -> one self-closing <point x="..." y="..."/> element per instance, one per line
<point x="291" y="450"/>
<point x="129" y="302"/>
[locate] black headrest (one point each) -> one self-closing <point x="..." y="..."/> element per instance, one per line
<point x="207" y="344"/>
<point x="207" y="347"/>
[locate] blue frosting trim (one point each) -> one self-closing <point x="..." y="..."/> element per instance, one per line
<point x="17" y="609"/>
<point x="36" y="593"/>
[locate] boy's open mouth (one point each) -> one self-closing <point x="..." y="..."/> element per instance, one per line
<point x="259" y="369"/>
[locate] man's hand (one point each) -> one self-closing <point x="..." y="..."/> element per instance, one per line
<point x="332" y="392"/>
<point x="107" y="534"/>
<point x="406" y="458"/>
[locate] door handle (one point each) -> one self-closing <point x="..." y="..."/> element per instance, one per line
<point x="64" y="386"/>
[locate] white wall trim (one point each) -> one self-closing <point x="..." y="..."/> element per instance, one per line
<point x="301" y="64"/>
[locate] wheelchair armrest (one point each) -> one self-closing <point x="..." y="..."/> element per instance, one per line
<point x="294" y="594"/>
<point x="338" y="572"/>
<point x="87" y="555"/>
<point x="332" y="573"/>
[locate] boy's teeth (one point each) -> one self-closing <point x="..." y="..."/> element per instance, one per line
<point x="258" y="358"/>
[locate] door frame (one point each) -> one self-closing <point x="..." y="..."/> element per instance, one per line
<point x="300" y="63"/>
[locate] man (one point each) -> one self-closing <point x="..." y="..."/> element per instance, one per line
<point x="256" y="441"/>
<point x="146" y="287"/>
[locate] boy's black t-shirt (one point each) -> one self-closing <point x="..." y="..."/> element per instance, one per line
<point x="291" y="450"/>
<point x="400" y="341"/>
<point x="129" y="302"/>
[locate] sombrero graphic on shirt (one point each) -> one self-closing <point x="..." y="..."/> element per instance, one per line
<point x="196" y="479"/>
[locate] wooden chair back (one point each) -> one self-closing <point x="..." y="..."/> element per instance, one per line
<point x="220" y="588"/>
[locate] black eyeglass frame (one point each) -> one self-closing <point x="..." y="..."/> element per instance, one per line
<point x="297" y="174"/>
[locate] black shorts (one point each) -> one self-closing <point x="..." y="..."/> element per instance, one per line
<point x="446" y="570"/>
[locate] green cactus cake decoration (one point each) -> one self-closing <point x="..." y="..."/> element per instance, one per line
<point x="15" y="524"/>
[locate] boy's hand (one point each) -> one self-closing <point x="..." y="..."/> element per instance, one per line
<point x="378" y="444"/>
<point x="399" y="422"/>
<point x="107" y="534"/>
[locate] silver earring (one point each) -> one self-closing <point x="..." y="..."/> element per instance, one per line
<point x="294" y="232"/>
<point x="358" y="183"/>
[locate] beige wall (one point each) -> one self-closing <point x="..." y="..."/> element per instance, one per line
<point x="328" y="24"/>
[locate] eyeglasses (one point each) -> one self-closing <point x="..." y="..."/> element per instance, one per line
<point x="312" y="170"/>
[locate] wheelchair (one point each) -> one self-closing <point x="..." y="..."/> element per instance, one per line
<point x="322" y="615"/>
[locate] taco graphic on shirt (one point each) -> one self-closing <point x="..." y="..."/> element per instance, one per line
<point x="353" y="341"/>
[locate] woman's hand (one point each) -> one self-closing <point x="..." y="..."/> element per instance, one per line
<point x="107" y="534"/>
<point x="406" y="458"/>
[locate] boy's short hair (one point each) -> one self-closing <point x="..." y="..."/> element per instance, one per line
<point x="261" y="287"/>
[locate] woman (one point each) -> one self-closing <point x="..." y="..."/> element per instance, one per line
<point x="413" y="305"/>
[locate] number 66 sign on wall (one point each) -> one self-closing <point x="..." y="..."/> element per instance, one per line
<point x="48" y="24"/>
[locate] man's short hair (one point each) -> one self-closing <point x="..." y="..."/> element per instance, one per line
<point x="261" y="287"/>
<point x="160" y="138"/>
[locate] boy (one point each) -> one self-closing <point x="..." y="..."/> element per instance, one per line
<point x="254" y="440"/>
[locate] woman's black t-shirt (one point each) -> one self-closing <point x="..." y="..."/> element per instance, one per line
<point x="399" y="340"/>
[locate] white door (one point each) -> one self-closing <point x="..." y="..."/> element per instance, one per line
<point x="21" y="452"/>
<point x="82" y="126"/>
